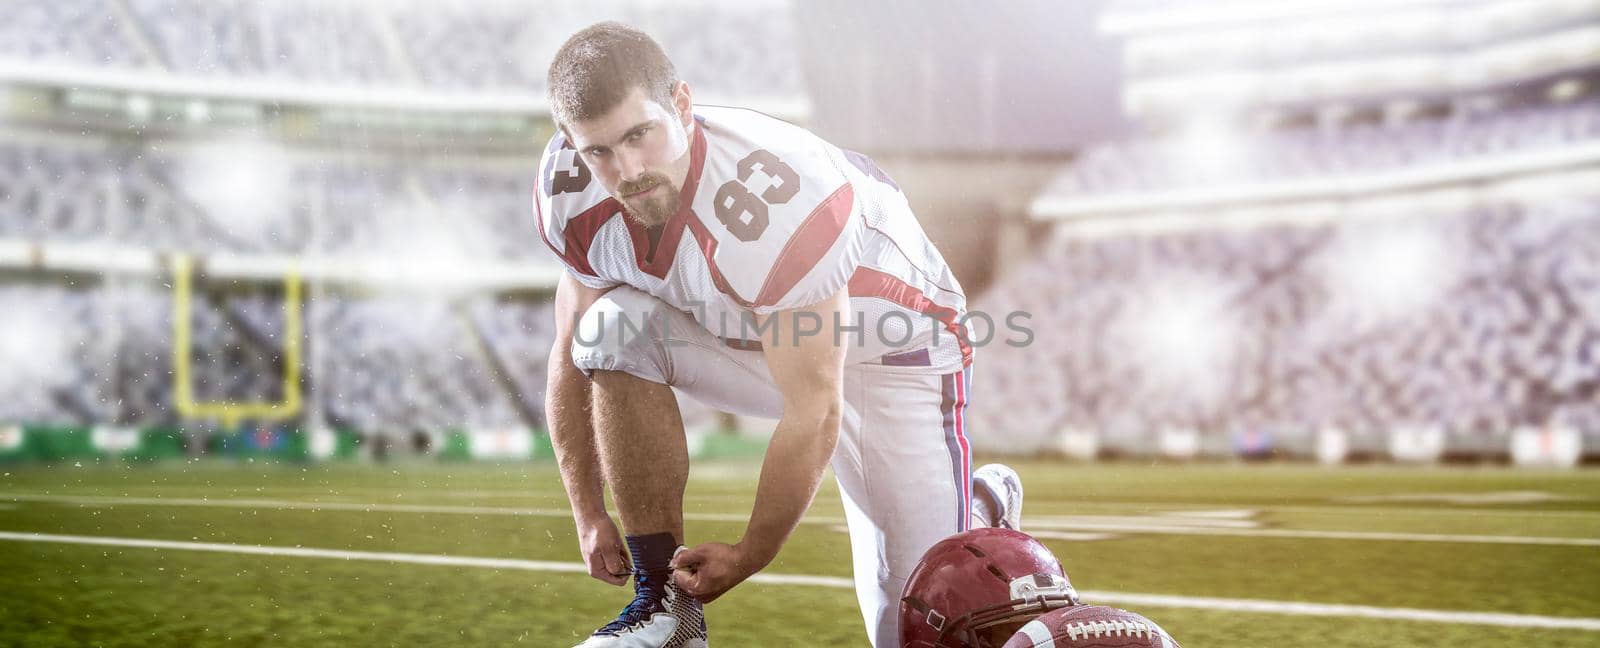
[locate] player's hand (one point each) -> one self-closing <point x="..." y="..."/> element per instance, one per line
<point x="603" y="551"/>
<point x="711" y="569"/>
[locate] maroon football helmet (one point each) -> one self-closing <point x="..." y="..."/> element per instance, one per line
<point x="977" y="580"/>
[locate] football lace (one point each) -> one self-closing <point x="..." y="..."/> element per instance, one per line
<point x="1097" y="629"/>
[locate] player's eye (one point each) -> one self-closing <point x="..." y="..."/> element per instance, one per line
<point x="637" y="135"/>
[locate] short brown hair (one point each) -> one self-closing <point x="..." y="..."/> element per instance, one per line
<point x="598" y="66"/>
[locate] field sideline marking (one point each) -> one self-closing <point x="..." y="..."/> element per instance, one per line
<point x="1123" y="598"/>
<point x="1069" y="523"/>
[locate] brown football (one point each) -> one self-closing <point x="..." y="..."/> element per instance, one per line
<point x="1091" y="626"/>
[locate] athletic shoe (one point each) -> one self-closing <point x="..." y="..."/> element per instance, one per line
<point x="660" y="616"/>
<point x="999" y="490"/>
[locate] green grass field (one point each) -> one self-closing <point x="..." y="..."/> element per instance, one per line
<point x="1459" y="540"/>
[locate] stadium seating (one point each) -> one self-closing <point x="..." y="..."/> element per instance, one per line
<point x="438" y="47"/>
<point x="76" y="190"/>
<point x="455" y="48"/>
<point x="1233" y="332"/>
<point x="1511" y="342"/>
<point x="381" y="364"/>
<point x="83" y="32"/>
<point x="1151" y="165"/>
<point x="1225" y="330"/>
<point x="407" y="363"/>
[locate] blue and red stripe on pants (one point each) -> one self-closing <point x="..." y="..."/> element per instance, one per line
<point x="953" y="406"/>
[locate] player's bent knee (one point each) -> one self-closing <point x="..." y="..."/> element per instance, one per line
<point x="618" y="380"/>
<point x="622" y="331"/>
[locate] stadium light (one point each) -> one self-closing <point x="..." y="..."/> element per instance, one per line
<point x="1566" y="90"/>
<point x="241" y="182"/>
<point x="430" y="246"/>
<point x="140" y="108"/>
<point x="1209" y="145"/>
<point x="1378" y="272"/>
<point x="36" y="349"/>
<point x="1194" y="16"/>
<point x="197" y="111"/>
<point x="1181" y="333"/>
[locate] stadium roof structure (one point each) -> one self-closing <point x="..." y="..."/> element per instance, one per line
<point x="1245" y="54"/>
<point x="276" y="91"/>
<point x="285" y="92"/>
<point x="98" y="258"/>
<point x="1580" y="163"/>
<point x="1134" y="16"/>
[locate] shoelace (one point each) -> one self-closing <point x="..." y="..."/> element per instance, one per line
<point x="647" y="595"/>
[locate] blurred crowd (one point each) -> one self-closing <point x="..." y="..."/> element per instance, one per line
<point x="383" y="359"/>
<point x="1476" y="322"/>
<point x="1476" y="318"/>
<point x="79" y="189"/>
<point x="1352" y="149"/>
<point x="383" y="364"/>
<point x="432" y="46"/>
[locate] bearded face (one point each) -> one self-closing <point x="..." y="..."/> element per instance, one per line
<point x="650" y="200"/>
<point x="639" y="150"/>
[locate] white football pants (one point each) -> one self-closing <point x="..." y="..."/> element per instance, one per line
<point x="903" y="463"/>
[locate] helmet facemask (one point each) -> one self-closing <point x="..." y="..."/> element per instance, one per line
<point x="1031" y="596"/>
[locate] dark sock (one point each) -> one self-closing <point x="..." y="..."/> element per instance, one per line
<point x="652" y="553"/>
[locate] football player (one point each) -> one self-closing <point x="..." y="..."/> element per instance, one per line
<point x="755" y="267"/>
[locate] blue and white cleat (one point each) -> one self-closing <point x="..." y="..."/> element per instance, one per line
<point x="660" y="616"/>
<point x="999" y="493"/>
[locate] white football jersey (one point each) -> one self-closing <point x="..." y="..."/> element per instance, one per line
<point x="771" y="217"/>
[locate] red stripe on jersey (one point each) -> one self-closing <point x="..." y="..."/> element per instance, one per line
<point x="538" y="219"/>
<point x="581" y="230"/>
<point x="708" y="248"/>
<point x="867" y="282"/>
<point x="809" y="243"/>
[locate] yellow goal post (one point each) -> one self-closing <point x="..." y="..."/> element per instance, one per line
<point x="231" y="413"/>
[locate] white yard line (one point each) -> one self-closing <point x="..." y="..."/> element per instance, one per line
<point x="1169" y="508"/>
<point x="1101" y="524"/>
<point x="1154" y="527"/>
<point x="1490" y="497"/>
<point x="300" y="552"/>
<point x="1230" y="514"/>
<point x="1127" y="522"/>
<point x="1335" y="610"/>
<point x="1074" y="536"/>
<point x="1119" y="598"/>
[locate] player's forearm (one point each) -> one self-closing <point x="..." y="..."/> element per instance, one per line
<point x="572" y="435"/>
<point x="790" y="474"/>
